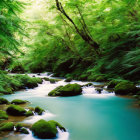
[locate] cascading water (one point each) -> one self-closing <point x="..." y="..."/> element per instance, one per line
<point x="86" y="117"/>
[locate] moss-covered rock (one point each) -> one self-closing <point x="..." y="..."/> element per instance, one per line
<point x="68" y="90"/>
<point x="87" y="85"/>
<point x="29" y="113"/>
<point x="68" y="79"/>
<point x="52" y="81"/>
<point x="24" y="131"/>
<point x="125" y="88"/>
<point x="18" y="127"/>
<point x="18" y="101"/>
<point x="8" y="126"/>
<point x="43" y="129"/>
<point x="3" y="115"/>
<point x="16" y="110"/>
<point x="99" y="90"/>
<point x="3" y="101"/>
<point x="46" y="79"/>
<point x="39" y="110"/>
<point x="112" y="84"/>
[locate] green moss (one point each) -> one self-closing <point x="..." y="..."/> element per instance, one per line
<point x="18" y="127"/>
<point x="49" y="129"/>
<point x="46" y="79"/>
<point x="8" y="126"/>
<point x="39" y="110"/>
<point x="16" y="110"/>
<point x="112" y="84"/>
<point x="3" y="101"/>
<point x="18" y="101"/>
<point x="68" y="90"/>
<point x="24" y="131"/>
<point x="124" y="88"/>
<point x="3" y="115"/>
<point x="55" y="92"/>
<point x="29" y="113"/>
<point x="68" y="79"/>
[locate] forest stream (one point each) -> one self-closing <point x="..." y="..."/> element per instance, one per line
<point x="90" y="116"/>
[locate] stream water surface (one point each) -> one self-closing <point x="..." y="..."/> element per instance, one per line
<point x="90" y="116"/>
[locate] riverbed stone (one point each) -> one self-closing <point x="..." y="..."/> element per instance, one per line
<point x="24" y="131"/>
<point x="49" y="129"/>
<point x="16" y="110"/>
<point x="29" y="113"/>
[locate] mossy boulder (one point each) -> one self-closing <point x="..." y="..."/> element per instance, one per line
<point x="45" y="129"/>
<point x="99" y="90"/>
<point x="18" y="101"/>
<point x="39" y="110"/>
<point x="125" y="88"/>
<point x="68" y="79"/>
<point x="87" y="85"/>
<point x="15" y="110"/>
<point x="24" y="131"/>
<point x="52" y="81"/>
<point x="46" y="79"/>
<point x="18" y="127"/>
<point x="3" y="115"/>
<point x="3" y="101"/>
<point x="112" y="84"/>
<point x="8" y="126"/>
<point x="68" y="90"/>
<point x="29" y="113"/>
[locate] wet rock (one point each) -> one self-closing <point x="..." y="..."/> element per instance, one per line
<point x="49" y="129"/>
<point x="99" y="90"/>
<point x="29" y="113"/>
<point x="24" y="131"/>
<point x="18" y="127"/>
<point x="68" y="79"/>
<point x="39" y="110"/>
<point x="87" y="85"/>
<point x="16" y="110"/>
<point x="3" y="101"/>
<point x="68" y="90"/>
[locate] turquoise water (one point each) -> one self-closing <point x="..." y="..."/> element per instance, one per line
<point x="90" y="116"/>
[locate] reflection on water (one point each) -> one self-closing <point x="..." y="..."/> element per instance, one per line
<point x="90" y="116"/>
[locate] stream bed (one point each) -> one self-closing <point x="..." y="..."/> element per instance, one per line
<point x="90" y="116"/>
